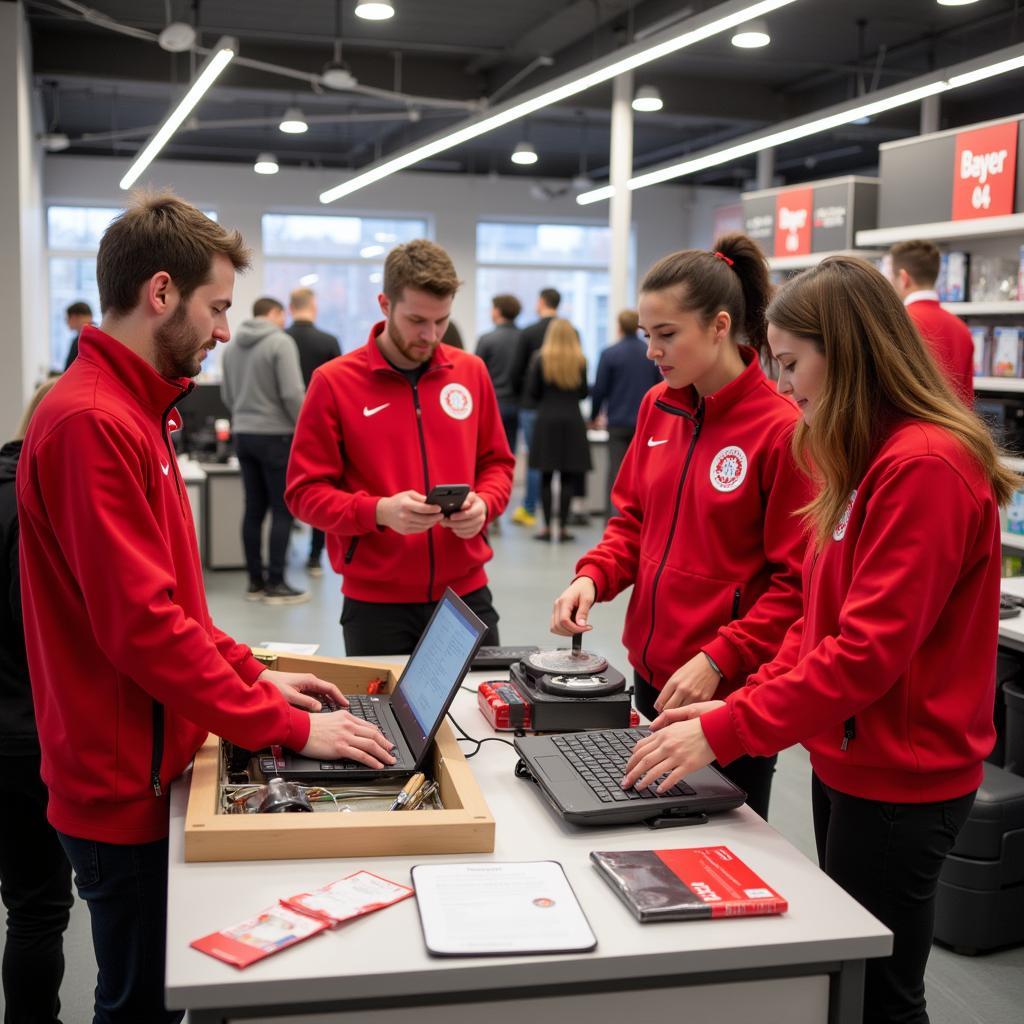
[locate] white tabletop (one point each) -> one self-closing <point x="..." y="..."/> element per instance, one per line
<point x="383" y="954"/>
<point x="1011" y="631"/>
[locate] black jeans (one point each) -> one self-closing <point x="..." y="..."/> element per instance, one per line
<point x="316" y="543"/>
<point x="374" y="627"/>
<point x="888" y="856"/>
<point x="509" y="411"/>
<point x="752" y="774"/>
<point x="569" y="485"/>
<point x="618" y="443"/>
<point x="264" y="462"/>
<point x="126" y="890"/>
<point x="35" y="884"/>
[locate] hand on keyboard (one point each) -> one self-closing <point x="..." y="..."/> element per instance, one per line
<point x="337" y="736"/>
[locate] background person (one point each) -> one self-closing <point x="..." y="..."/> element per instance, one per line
<point x="315" y="347"/>
<point x="915" y="269"/>
<point x="707" y="532"/>
<point x="35" y="877"/>
<point x="556" y="382"/>
<point x="261" y="385"/>
<point x="624" y="376"/>
<point x="887" y="678"/>
<point x="499" y="349"/>
<point x="128" y="672"/>
<point x="379" y="428"/>
<point x="76" y="316"/>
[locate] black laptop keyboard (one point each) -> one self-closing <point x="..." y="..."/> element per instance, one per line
<point x="361" y="707"/>
<point x="600" y="759"/>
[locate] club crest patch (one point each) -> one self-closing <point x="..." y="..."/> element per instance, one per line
<point x="456" y="401"/>
<point x="844" y="521"/>
<point x="728" y="469"/>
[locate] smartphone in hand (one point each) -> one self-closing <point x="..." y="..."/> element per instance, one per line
<point x="451" y="497"/>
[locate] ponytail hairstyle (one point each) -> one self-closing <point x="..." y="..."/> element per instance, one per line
<point x="562" y="362"/>
<point x="733" y="276"/>
<point x="878" y="370"/>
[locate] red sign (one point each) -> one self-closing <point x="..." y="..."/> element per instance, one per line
<point x="793" y="222"/>
<point x="985" y="172"/>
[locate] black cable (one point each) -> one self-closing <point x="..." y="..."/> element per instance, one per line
<point x="466" y="738"/>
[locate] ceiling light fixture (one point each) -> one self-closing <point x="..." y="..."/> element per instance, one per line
<point x="308" y="280"/>
<point x="956" y="3"/>
<point x="216" y="61"/>
<point x="266" y="163"/>
<point x="177" y="37"/>
<point x="647" y="99"/>
<point x="293" y="123"/>
<point x="999" y="63"/>
<point x="752" y="36"/>
<point x="524" y="154"/>
<point x="377" y="10"/>
<point x="369" y="252"/>
<point x="721" y="18"/>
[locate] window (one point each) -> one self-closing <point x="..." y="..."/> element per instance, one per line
<point x="340" y="258"/>
<point x="521" y="259"/>
<point x="73" y="235"/>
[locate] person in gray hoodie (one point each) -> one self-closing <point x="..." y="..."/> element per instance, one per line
<point x="262" y="387"/>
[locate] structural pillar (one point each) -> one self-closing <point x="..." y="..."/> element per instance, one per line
<point x="621" y="212"/>
<point x="765" y="168"/>
<point x="931" y="107"/>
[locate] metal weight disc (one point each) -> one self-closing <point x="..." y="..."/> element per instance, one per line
<point x="564" y="662"/>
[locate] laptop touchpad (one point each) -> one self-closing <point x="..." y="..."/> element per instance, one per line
<point x="556" y="768"/>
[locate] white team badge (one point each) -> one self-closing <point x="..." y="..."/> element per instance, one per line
<point x="456" y="401"/>
<point x="844" y="521"/>
<point x="728" y="468"/>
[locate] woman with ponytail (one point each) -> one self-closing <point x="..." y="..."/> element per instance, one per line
<point x="707" y="532"/>
<point x="887" y="678"/>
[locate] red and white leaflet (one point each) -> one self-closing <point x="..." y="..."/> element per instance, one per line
<point x="349" y="897"/>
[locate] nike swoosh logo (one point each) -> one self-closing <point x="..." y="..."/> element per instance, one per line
<point x="651" y="443"/>
<point x="165" y="468"/>
<point x="373" y="412"/>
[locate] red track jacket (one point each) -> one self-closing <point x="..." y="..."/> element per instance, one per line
<point x="949" y="340"/>
<point x="888" y="677"/>
<point x="706" y="531"/>
<point x="128" y="672"/>
<point x="366" y="433"/>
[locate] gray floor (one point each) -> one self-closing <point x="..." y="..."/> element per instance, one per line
<point x="525" y="577"/>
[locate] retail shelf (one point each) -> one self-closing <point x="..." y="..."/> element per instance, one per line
<point x="814" y="258"/>
<point x="1001" y="384"/>
<point x="1013" y="541"/>
<point x="1010" y="224"/>
<point x="985" y="308"/>
<point x="1016" y="464"/>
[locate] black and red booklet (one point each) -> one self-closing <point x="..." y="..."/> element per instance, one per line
<point x="675" y="885"/>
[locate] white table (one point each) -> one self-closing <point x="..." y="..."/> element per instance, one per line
<point x="806" y="965"/>
<point x="1011" y="631"/>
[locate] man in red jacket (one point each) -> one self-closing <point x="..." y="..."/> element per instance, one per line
<point x="379" y="428"/>
<point x="128" y="671"/>
<point x="915" y="269"/>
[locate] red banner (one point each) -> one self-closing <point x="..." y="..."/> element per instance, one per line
<point x="793" y="221"/>
<point x="985" y="171"/>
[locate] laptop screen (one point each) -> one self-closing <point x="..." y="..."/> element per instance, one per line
<point x="434" y="671"/>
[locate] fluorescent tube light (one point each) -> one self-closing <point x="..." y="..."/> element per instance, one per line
<point x="216" y="61"/>
<point x="710" y="23"/>
<point x="888" y="99"/>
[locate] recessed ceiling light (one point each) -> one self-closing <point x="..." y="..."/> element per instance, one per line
<point x="375" y="10"/>
<point x="293" y="123"/>
<point x="266" y="163"/>
<point x="647" y="99"/>
<point x="524" y="153"/>
<point x="751" y="36"/>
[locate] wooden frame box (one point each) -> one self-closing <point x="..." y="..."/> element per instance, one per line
<point x="464" y="826"/>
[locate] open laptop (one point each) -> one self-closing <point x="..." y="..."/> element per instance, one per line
<point x="580" y="774"/>
<point x="411" y="715"/>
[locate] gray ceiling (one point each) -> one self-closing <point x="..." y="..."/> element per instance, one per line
<point x="104" y="89"/>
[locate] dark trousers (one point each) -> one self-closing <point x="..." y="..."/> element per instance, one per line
<point x="264" y="462"/>
<point x="126" y="890"/>
<point x="509" y="411"/>
<point x="888" y="857"/>
<point x="375" y="627"/>
<point x="316" y="543"/>
<point x="35" y="884"/>
<point x="752" y="774"/>
<point x="569" y="485"/>
<point x="618" y="442"/>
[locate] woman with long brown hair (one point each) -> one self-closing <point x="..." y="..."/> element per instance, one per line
<point x="556" y="382"/>
<point x="887" y="679"/>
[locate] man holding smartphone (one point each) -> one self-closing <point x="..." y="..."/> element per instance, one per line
<point x="380" y="429"/>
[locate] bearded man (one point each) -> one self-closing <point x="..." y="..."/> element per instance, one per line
<point x="379" y="428"/>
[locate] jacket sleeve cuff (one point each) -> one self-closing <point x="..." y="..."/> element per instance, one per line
<point x="249" y="669"/>
<point x="721" y="735"/>
<point x="298" y="729"/>
<point x="366" y="512"/>
<point x="724" y="655"/>
<point x="594" y="573"/>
